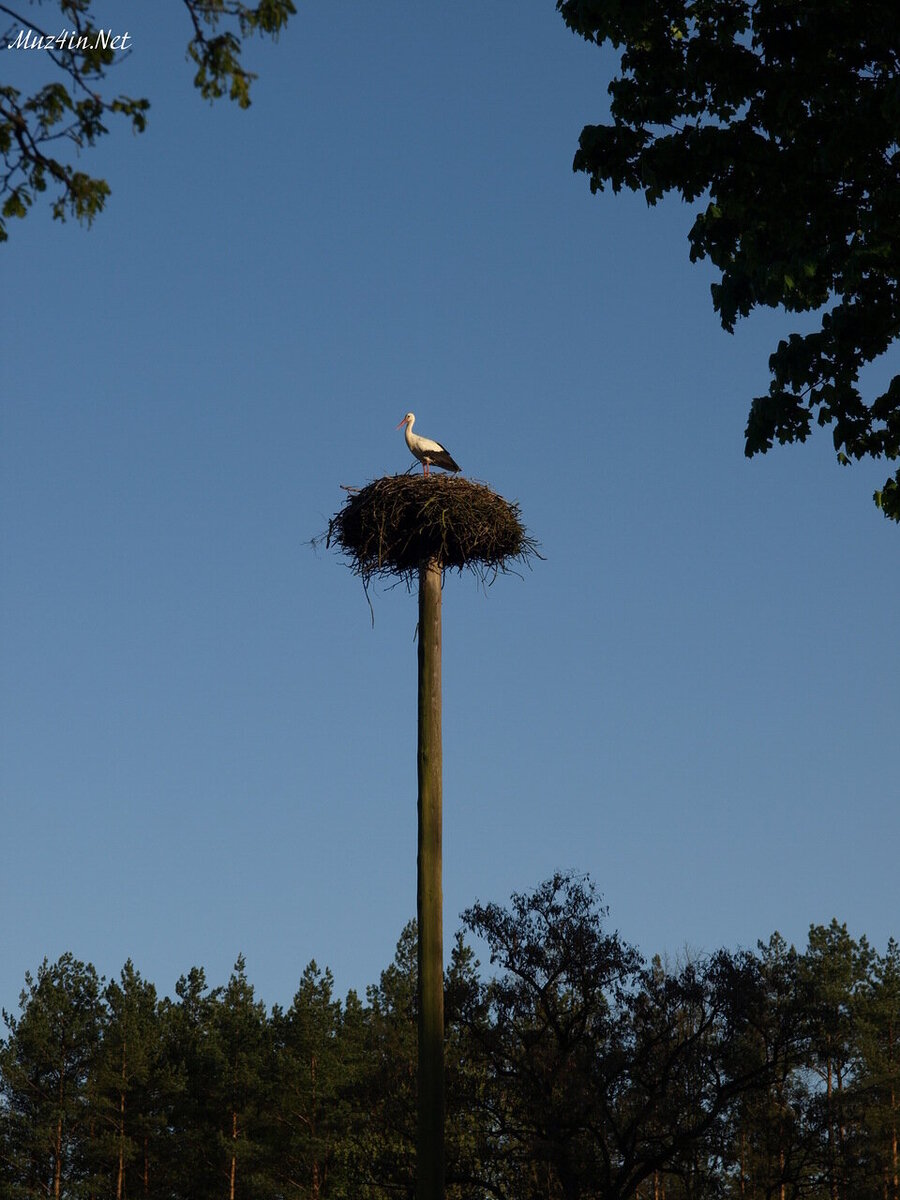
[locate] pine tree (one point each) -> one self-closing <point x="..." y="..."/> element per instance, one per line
<point x="307" y="1110"/>
<point x="131" y="1088"/>
<point x="45" y="1070"/>
<point x="383" y="1122"/>
<point x="192" y="1166"/>
<point x="833" y="971"/>
<point x="772" y="1152"/>
<point x="878" y="1042"/>
<point x="468" y="1147"/>
<point x="239" y="1031"/>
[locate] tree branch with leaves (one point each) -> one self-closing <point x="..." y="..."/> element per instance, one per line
<point x="42" y="134"/>
<point x="785" y="118"/>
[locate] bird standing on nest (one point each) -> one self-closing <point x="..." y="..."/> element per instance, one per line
<point x="429" y="453"/>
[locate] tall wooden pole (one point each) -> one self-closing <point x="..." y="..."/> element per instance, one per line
<point x="430" y="1136"/>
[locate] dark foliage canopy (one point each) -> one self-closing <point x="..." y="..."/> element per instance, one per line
<point x="574" y="1071"/>
<point x="785" y="116"/>
<point x="623" y="1071"/>
<point x="42" y="135"/>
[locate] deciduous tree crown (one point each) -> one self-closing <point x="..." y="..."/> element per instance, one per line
<point x="785" y="116"/>
<point x="41" y="135"/>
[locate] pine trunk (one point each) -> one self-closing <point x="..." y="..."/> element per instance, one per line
<point x="120" y="1175"/>
<point x="314" y="1112"/>
<point x="430" y="1135"/>
<point x="829" y="1109"/>
<point x="57" y="1166"/>
<point x="895" y="1173"/>
<point x="782" y="1190"/>
<point x="841" y="1181"/>
<point x="894" y="1164"/>
<point x="233" y="1173"/>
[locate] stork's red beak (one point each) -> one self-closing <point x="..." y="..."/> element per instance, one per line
<point x="402" y="423"/>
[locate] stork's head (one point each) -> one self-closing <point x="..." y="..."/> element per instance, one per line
<point x="407" y="420"/>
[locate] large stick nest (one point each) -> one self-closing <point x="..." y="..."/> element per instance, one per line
<point x="393" y="525"/>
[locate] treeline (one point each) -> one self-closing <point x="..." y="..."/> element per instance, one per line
<point x="574" y="1069"/>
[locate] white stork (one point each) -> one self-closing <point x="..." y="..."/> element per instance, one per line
<point x="429" y="453"/>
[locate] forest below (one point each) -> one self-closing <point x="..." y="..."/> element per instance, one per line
<point x="574" y="1068"/>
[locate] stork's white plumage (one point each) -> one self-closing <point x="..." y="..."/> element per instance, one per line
<point x="429" y="453"/>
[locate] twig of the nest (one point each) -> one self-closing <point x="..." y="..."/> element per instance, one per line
<point x="391" y="526"/>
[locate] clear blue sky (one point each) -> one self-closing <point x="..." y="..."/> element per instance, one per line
<point x="206" y="747"/>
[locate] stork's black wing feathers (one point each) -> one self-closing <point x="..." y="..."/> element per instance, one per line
<point x="443" y="459"/>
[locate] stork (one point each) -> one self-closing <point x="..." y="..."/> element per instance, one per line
<point x="429" y="453"/>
